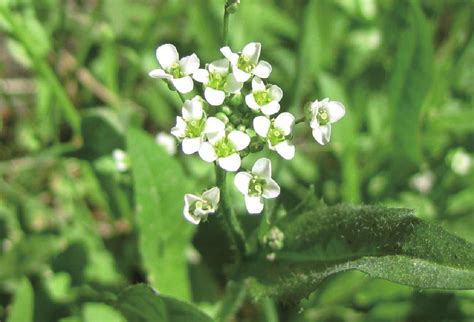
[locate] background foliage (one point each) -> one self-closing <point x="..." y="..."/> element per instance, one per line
<point x="74" y="232"/>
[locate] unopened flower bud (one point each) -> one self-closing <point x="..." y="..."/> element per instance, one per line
<point x="231" y="6"/>
<point x="251" y="132"/>
<point x="226" y="110"/>
<point x="221" y="116"/>
<point x="256" y="146"/>
<point x="241" y="127"/>
<point x="236" y="118"/>
<point x="236" y="99"/>
<point x="274" y="239"/>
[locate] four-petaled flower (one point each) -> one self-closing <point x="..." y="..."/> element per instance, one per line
<point x="276" y="133"/>
<point x="175" y="70"/>
<point x="256" y="185"/>
<point x="197" y="208"/>
<point x="224" y="147"/>
<point x="264" y="98"/>
<point x="217" y="81"/>
<point x="323" y="114"/>
<point x="247" y="64"/>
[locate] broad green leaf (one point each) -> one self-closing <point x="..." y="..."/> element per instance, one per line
<point x="141" y="303"/>
<point x="93" y="312"/>
<point x="410" y="82"/>
<point x="159" y="186"/>
<point x="386" y="243"/>
<point x="23" y="303"/>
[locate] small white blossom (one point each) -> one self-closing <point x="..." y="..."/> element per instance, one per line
<point x="121" y="160"/>
<point x="175" y="70"/>
<point x="218" y="81"/>
<point x="256" y="185"/>
<point x="247" y="63"/>
<point x="224" y="148"/>
<point x="264" y="98"/>
<point x="192" y="126"/>
<point x="423" y="181"/>
<point x="323" y="114"/>
<point x="461" y="162"/>
<point x="167" y="141"/>
<point x="276" y="133"/>
<point x="197" y="208"/>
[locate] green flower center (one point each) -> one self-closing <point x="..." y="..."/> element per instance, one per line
<point x="217" y="81"/>
<point x="203" y="205"/>
<point x="262" y="97"/>
<point x="175" y="71"/>
<point x="194" y="128"/>
<point x="275" y="136"/>
<point x="256" y="186"/>
<point x="245" y="64"/>
<point x="322" y="116"/>
<point x="224" y="148"/>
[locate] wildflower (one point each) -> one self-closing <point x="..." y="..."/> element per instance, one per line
<point x="247" y="63"/>
<point x="274" y="239"/>
<point x="176" y="70"/>
<point x="256" y="185"/>
<point x="460" y="162"/>
<point x="192" y="126"/>
<point x="122" y="162"/>
<point x="264" y="98"/>
<point x="217" y="81"/>
<point x="323" y="114"/>
<point x="224" y="148"/>
<point x="276" y="133"/>
<point x="167" y="141"/>
<point x="423" y="181"/>
<point x="197" y="208"/>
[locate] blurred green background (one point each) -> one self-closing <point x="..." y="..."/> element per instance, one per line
<point x="74" y="76"/>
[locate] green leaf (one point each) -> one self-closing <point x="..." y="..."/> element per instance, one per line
<point x="141" y="303"/>
<point x="160" y="185"/>
<point x="22" y="307"/>
<point x="93" y="312"/>
<point x="410" y="82"/>
<point x="382" y="242"/>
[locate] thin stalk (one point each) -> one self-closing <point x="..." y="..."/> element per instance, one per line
<point x="225" y="32"/>
<point x="234" y="296"/>
<point x="230" y="219"/>
<point x="300" y="120"/>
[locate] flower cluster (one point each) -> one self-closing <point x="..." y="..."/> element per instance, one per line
<point x="235" y="111"/>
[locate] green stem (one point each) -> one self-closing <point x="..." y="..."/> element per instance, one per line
<point x="226" y="26"/>
<point x="230" y="219"/>
<point x="300" y="120"/>
<point x="234" y="296"/>
<point x="181" y="96"/>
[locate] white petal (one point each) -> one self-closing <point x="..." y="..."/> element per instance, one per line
<point x="214" y="96"/>
<point x="189" y="199"/>
<point x="230" y="163"/>
<point x="192" y="109"/>
<point x="242" y="181"/>
<point x="284" y="122"/>
<point x="184" y="84"/>
<point x="232" y="57"/>
<point x="207" y="153"/>
<point x="159" y="73"/>
<point x="179" y="129"/>
<point x="191" y="145"/>
<point x="254" y="204"/>
<point x="189" y="64"/>
<point x="192" y="219"/>
<point x="335" y="110"/>
<point x="213" y="124"/>
<point x="270" y="108"/>
<point x="286" y="150"/>
<point x="261" y="125"/>
<point x="214" y="137"/>
<point x="271" y="190"/>
<point x="213" y="196"/>
<point x="322" y="134"/>
<point x="263" y="69"/>
<point x="257" y="84"/>
<point x="167" y="141"/>
<point x="201" y="76"/>
<point x="167" y="55"/>
<point x="220" y="66"/>
<point x="240" y="139"/>
<point x="232" y="85"/>
<point x="250" y="101"/>
<point x="252" y="51"/>
<point x="119" y="155"/>
<point x="276" y="93"/>
<point x="262" y="168"/>
<point x="121" y="166"/>
<point x="240" y="75"/>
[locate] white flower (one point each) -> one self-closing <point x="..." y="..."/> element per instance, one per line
<point x="276" y="133"/>
<point x="193" y="125"/>
<point x="176" y="70"/>
<point x="167" y="142"/>
<point x="217" y="81"/>
<point x="197" y="208"/>
<point x="256" y="185"/>
<point x="121" y="160"/>
<point x="461" y="162"/>
<point x="323" y="114"/>
<point x="423" y="182"/>
<point x="246" y="64"/>
<point x="224" y="147"/>
<point x="264" y="98"/>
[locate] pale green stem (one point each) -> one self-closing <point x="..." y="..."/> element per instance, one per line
<point x="234" y="296"/>
<point x="226" y="26"/>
